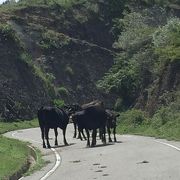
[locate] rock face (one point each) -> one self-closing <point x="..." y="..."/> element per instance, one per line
<point x="66" y="51"/>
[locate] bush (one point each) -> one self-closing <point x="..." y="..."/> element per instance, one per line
<point x="133" y="117"/>
<point x="53" y="39"/>
<point x="122" y="79"/>
<point x="166" y="40"/>
<point x="58" y="103"/>
<point x="7" y="33"/>
<point x="62" y="91"/>
<point x="169" y="113"/>
<point x="69" y="71"/>
<point x="119" y="105"/>
<point x="164" y="124"/>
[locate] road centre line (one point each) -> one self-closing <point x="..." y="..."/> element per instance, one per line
<point x="58" y="158"/>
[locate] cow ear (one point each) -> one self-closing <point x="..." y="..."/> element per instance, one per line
<point x="117" y="115"/>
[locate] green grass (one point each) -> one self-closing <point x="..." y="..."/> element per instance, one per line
<point x="14" y="153"/>
<point x="5" y="127"/>
<point x="39" y="163"/>
<point x="164" y="124"/>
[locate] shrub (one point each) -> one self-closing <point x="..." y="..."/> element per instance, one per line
<point x="169" y="113"/>
<point x="7" y="33"/>
<point x="79" y="87"/>
<point x="62" y="91"/>
<point x="134" y="117"/>
<point x="119" y="105"/>
<point x="166" y="40"/>
<point x="58" y="103"/>
<point x="53" y="39"/>
<point x="69" y="71"/>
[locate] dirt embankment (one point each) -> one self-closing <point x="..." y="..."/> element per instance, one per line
<point x="162" y="91"/>
<point x="74" y="65"/>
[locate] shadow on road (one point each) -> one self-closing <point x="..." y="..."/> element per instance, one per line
<point x="101" y="145"/>
<point x="118" y="142"/>
<point x="60" y="146"/>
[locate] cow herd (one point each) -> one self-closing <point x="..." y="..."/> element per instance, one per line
<point x="91" y="117"/>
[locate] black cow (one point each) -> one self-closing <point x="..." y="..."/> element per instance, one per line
<point x="91" y="118"/>
<point x="111" y="123"/>
<point x="72" y="109"/>
<point x="52" y="118"/>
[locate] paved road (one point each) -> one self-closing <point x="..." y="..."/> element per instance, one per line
<point x="131" y="158"/>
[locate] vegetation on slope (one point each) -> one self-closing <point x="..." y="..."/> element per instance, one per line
<point x="17" y="72"/>
<point x="146" y="73"/>
<point x="165" y="123"/>
<point x="146" y="49"/>
<point x="145" y="35"/>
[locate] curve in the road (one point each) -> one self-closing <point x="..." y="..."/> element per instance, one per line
<point x="167" y="144"/>
<point x="58" y="158"/>
<point x="57" y="155"/>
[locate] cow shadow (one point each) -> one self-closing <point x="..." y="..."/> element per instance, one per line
<point x="118" y="142"/>
<point x="101" y="145"/>
<point x="60" y="146"/>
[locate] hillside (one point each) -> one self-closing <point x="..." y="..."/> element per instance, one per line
<point x="124" y="53"/>
<point x="51" y="53"/>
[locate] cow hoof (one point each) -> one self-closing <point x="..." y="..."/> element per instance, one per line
<point x="66" y="144"/>
<point x="44" y="146"/>
<point x="48" y="146"/>
<point x="110" y="140"/>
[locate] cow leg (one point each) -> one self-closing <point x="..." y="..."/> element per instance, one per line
<point x="94" y="137"/>
<point x="64" y="136"/>
<point x="114" y="132"/>
<point x="42" y="136"/>
<point x="88" y="141"/>
<point x="56" y="134"/>
<point x="79" y="134"/>
<point x="47" y="137"/>
<point x="75" y="130"/>
<point x="100" y="133"/>
<point x="83" y="135"/>
<point x="109" y="133"/>
<point x="104" y="135"/>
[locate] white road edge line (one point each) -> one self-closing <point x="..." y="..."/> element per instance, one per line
<point x="58" y="158"/>
<point x="178" y="149"/>
<point x="58" y="162"/>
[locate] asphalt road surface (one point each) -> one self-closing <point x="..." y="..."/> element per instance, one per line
<point x="131" y="158"/>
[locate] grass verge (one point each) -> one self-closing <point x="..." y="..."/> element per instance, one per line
<point x="164" y="124"/>
<point x="6" y="127"/>
<point x="14" y="154"/>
